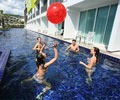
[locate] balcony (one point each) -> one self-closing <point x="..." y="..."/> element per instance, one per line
<point x="44" y="8"/>
<point x="34" y="15"/>
<point x="37" y="13"/>
<point x="52" y="1"/>
<point x="31" y="17"/>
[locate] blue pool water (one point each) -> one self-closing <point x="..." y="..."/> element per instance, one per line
<point x="66" y="75"/>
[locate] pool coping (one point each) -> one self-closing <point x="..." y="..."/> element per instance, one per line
<point x="3" y="61"/>
<point x="102" y="53"/>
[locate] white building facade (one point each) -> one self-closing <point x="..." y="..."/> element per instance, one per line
<point x="99" y="16"/>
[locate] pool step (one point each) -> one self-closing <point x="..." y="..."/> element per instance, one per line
<point x="3" y="61"/>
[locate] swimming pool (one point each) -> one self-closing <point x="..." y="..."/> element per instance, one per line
<point x="66" y="75"/>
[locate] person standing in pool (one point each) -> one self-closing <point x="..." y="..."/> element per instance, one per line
<point x="40" y="53"/>
<point x="39" y="76"/>
<point x="73" y="47"/>
<point x="91" y="63"/>
<point x="38" y="45"/>
<point x="39" y="48"/>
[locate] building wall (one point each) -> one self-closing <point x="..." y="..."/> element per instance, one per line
<point x="72" y="20"/>
<point x="38" y="24"/>
<point x="69" y="3"/>
<point x="71" y="24"/>
<point x="115" y="35"/>
<point x="52" y="28"/>
<point x="44" y="24"/>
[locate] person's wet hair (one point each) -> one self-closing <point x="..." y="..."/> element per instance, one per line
<point x="40" y="59"/>
<point x="38" y="38"/>
<point x="97" y="51"/>
<point x="74" y="40"/>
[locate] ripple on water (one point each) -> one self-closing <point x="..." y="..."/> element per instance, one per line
<point x="66" y="75"/>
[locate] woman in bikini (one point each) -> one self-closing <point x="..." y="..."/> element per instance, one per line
<point x="90" y="67"/>
<point x="42" y="69"/>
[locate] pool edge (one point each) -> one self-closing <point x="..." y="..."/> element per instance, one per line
<point x="3" y="61"/>
<point x="102" y="54"/>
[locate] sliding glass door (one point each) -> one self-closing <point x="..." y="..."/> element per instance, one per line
<point x="100" y="21"/>
<point x="100" y="24"/>
<point x="109" y="24"/>
<point x="83" y="20"/>
<point x="90" y="20"/>
<point x="59" y="27"/>
<point x="87" y="21"/>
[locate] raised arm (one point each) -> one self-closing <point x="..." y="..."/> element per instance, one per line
<point x="43" y="46"/>
<point x="35" y="47"/>
<point x="54" y="59"/>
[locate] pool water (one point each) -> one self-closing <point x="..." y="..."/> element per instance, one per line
<point x="66" y="75"/>
<point x="0" y="53"/>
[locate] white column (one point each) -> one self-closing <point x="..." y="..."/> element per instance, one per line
<point x="71" y="24"/>
<point x="32" y="12"/>
<point x="114" y="43"/>
<point x="36" y="8"/>
<point x="48" y="3"/>
<point x="52" y="28"/>
<point x="40" y="6"/>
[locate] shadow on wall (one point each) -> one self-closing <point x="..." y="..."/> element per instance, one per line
<point x="75" y="19"/>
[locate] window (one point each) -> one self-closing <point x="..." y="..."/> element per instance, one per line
<point x="82" y="25"/>
<point x="45" y="2"/>
<point x="109" y="24"/>
<point x="90" y="20"/>
<point x="100" y="21"/>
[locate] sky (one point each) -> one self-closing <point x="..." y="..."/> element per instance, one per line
<point x="15" y="7"/>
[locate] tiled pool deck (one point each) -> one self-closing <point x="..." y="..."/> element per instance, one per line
<point x="4" y="54"/>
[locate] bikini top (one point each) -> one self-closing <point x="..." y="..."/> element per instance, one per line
<point x="43" y="67"/>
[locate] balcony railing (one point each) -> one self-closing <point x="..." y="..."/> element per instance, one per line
<point x="44" y="8"/>
<point x="33" y="15"/>
<point x="37" y="13"/>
